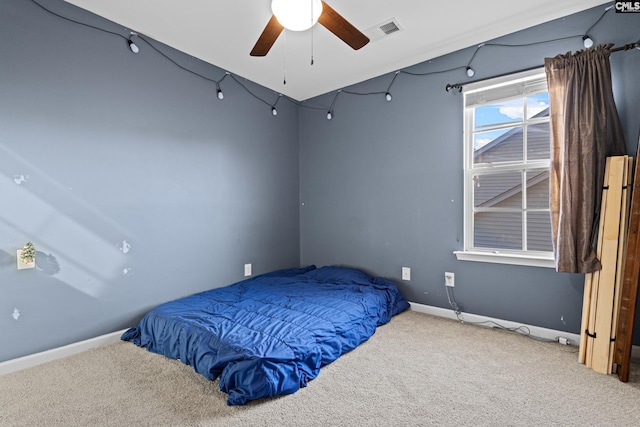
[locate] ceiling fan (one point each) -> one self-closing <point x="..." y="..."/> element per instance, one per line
<point x="309" y="12"/>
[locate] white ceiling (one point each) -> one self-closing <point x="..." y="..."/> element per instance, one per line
<point x="223" y="33"/>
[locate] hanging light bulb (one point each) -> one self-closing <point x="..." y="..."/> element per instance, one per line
<point x="470" y="72"/>
<point x="388" y="96"/>
<point x="587" y="41"/>
<point x="329" y="115"/>
<point x="134" y="47"/>
<point x="274" y="111"/>
<point x="297" y="15"/>
<point x="219" y="93"/>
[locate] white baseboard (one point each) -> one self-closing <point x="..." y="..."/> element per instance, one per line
<point x="537" y="331"/>
<point x="31" y="360"/>
<point x="552" y="334"/>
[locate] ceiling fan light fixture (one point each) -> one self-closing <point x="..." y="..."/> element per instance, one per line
<point x="297" y="15"/>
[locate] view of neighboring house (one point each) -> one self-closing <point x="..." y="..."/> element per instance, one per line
<point x="503" y="228"/>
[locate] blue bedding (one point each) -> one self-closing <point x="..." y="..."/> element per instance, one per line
<point x="271" y="334"/>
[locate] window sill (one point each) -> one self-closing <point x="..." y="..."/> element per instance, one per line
<point x="506" y="258"/>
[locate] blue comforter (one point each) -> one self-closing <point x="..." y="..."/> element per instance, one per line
<point x="270" y="334"/>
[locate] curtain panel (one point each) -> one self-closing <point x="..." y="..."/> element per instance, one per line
<point x="585" y="129"/>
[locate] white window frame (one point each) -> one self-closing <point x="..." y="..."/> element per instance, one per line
<point x="485" y="92"/>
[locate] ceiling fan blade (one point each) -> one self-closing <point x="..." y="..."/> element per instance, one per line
<point x="342" y="28"/>
<point x="267" y="38"/>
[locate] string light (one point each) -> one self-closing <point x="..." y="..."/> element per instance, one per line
<point x="470" y="71"/>
<point x="134" y="47"/>
<point x="587" y="42"/>
<point x="273" y="107"/>
<point x="387" y="94"/>
<point x="330" y="112"/>
<point x="219" y="93"/>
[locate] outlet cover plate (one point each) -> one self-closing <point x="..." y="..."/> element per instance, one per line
<point x="449" y="279"/>
<point x="406" y="273"/>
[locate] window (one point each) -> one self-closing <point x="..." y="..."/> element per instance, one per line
<point x="506" y="167"/>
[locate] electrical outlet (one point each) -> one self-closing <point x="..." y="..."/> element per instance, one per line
<point x="449" y="279"/>
<point x="247" y="270"/>
<point x="406" y="273"/>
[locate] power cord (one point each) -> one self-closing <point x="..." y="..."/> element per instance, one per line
<point x="522" y="330"/>
<point x="452" y="301"/>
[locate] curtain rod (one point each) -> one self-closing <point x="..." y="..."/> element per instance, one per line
<point x="458" y="86"/>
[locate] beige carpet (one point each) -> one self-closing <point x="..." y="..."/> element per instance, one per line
<point x="418" y="370"/>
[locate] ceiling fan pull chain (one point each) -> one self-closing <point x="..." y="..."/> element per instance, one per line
<point x="312" y="30"/>
<point x="284" y="56"/>
<point x="311" y="45"/>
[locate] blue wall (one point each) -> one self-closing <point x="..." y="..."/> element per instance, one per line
<point x="382" y="183"/>
<point x="134" y="182"/>
<point x="137" y="185"/>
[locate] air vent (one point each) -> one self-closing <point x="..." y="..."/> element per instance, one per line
<point x="383" y="29"/>
<point x="389" y="27"/>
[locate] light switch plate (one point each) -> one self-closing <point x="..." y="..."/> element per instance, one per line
<point x="247" y="270"/>
<point x="406" y="273"/>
